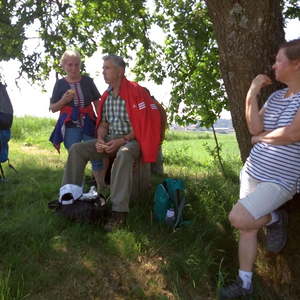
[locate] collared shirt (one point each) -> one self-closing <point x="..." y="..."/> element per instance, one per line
<point x="115" y="114"/>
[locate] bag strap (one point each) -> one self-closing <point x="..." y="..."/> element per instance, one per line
<point x="180" y="207"/>
<point x="175" y="190"/>
<point x="2" y="172"/>
<point x="11" y="166"/>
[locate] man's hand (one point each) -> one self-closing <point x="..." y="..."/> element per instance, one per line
<point x="114" y="145"/>
<point x="109" y="147"/>
<point x="101" y="146"/>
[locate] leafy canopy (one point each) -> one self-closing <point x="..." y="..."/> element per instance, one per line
<point x="188" y="56"/>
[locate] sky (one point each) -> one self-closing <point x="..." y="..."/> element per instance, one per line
<point x="29" y="100"/>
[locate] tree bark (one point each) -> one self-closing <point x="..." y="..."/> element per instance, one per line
<point x="248" y="34"/>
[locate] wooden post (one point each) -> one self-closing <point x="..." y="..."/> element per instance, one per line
<point x="141" y="178"/>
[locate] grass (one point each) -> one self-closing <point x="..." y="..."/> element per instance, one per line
<point x="43" y="256"/>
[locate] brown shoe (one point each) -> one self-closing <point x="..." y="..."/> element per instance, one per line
<point x="116" y="221"/>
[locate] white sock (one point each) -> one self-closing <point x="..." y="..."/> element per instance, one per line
<point x="246" y="278"/>
<point x="274" y="218"/>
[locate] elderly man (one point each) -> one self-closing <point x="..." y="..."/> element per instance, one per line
<point x="128" y="127"/>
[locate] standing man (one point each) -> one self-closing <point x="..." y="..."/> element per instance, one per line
<point x="128" y="127"/>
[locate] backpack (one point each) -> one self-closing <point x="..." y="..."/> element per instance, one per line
<point x="6" y="119"/>
<point x="169" y="202"/>
<point x="90" y="208"/>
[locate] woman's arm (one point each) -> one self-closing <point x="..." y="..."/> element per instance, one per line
<point x="64" y="100"/>
<point x="254" y="116"/>
<point x="281" y="136"/>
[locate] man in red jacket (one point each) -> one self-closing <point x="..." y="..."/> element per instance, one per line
<point x="128" y="127"/>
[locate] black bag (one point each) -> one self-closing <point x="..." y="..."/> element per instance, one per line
<point x="6" y="119"/>
<point x="6" y="109"/>
<point x="91" y="211"/>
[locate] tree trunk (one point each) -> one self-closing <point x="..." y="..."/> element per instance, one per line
<point x="248" y="34"/>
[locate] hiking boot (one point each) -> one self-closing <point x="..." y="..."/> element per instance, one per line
<point x="276" y="233"/>
<point x="116" y="221"/>
<point x="235" y="290"/>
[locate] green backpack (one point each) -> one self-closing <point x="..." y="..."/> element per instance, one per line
<point x="169" y="202"/>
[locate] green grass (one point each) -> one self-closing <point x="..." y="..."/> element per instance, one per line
<point x="33" y="131"/>
<point x="43" y="256"/>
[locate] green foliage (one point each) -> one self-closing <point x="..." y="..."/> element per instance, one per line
<point x="32" y="130"/>
<point x="191" y="57"/>
<point x="143" y="261"/>
<point x="292" y="9"/>
<point x="6" y="290"/>
<point x="184" y="135"/>
<point x="11" y="31"/>
<point x="188" y="56"/>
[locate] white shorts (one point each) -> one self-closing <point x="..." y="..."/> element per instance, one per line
<point x="260" y="197"/>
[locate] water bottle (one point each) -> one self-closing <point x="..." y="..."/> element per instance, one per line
<point x="170" y="216"/>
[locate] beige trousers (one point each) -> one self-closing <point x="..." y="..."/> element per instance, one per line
<point x="121" y="173"/>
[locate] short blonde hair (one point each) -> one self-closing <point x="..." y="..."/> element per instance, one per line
<point x="69" y="53"/>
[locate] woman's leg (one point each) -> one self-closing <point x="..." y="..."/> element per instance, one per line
<point x="99" y="167"/>
<point x="72" y="135"/>
<point x="242" y="220"/>
<point x="79" y="155"/>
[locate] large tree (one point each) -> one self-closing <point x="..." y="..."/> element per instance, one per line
<point x="248" y="35"/>
<point x="237" y="40"/>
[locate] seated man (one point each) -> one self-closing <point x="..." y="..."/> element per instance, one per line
<point x="128" y="127"/>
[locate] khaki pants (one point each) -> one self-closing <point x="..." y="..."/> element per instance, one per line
<point x="121" y="173"/>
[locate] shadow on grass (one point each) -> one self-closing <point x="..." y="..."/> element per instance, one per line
<point x="199" y="257"/>
<point x="66" y="260"/>
<point x="191" y="256"/>
<point x="146" y="260"/>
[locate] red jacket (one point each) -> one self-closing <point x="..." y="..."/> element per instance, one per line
<point x="143" y="115"/>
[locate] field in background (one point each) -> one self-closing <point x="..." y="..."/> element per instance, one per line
<point x="43" y="256"/>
